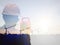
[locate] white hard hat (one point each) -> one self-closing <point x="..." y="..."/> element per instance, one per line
<point x="11" y="9"/>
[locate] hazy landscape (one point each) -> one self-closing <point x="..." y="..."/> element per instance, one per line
<point x="45" y="39"/>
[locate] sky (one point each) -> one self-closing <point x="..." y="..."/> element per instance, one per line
<point x="44" y="14"/>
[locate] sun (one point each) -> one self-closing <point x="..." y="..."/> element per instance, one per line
<point x="41" y="26"/>
<point x="44" y="23"/>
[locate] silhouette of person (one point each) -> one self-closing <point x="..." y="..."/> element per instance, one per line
<point x="10" y="35"/>
<point x="10" y="16"/>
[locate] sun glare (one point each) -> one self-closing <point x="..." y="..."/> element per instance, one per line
<point x="44" y="25"/>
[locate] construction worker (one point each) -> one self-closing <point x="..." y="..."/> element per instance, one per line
<point x="9" y="34"/>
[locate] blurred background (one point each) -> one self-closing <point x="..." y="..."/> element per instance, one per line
<point x="44" y="16"/>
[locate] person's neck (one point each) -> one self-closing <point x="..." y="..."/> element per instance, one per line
<point x="6" y="32"/>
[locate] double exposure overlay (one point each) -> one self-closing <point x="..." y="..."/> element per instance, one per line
<point x="29" y="22"/>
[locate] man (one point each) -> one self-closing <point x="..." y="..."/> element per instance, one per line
<point x="10" y="16"/>
<point x="9" y="35"/>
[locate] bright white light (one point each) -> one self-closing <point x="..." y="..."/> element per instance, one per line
<point x="44" y="25"/>
<point x="40" y="26"/>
